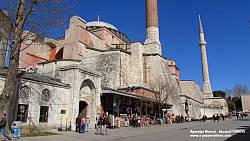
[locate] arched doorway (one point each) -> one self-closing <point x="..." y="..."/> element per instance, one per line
<point x="87" y="101"/>
<point x="87" y="93"/>
<point x="82" y="108"/>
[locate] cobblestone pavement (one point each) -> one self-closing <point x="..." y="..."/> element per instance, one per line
<point x="173" y="132"/>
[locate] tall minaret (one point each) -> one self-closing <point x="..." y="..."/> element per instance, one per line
<point x="152" y="22"/>
<point x="207" y="91"/>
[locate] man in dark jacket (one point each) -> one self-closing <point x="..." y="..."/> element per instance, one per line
<point x="214" y="118"/>
<point x="78" y="123"/>
<point x="104" y="124"/>
<point x="99" y="120"/>
<point x="3" y="122"/>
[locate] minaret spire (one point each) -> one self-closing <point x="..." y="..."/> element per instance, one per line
<point x="202" y="37"/>
<point x="98" y="18"/>
<point x="207" y="90"/>
<point x="201" y="29"/>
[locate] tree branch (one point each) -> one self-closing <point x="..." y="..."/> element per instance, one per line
<point x="33" y="2"/>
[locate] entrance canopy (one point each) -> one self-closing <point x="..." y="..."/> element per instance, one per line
<point x="117" y="92"/>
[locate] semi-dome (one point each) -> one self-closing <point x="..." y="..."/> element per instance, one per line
<point x="100" y="24"/>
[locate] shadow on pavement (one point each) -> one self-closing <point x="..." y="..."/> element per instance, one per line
<point x="244" y="126"/>
<point x="246" y="119"/>
<point x="241" y="137"/>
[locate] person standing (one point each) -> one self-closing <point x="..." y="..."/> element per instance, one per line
<point x="133" y="121"/>
<point x="182" y="118"/>
<point x="87" y="124"/>
<point x="170" y="119"/>
<point x="3" y="122"/>
<point x="217" y="117"/>
<point x="126" y="122"/>
<point x="99" y="125"/>
<point x="104" y="124"/>
<point x="78" y="123"/>
<point x="203" y="118"/>
<point x="83" y="124"/>
<point x="214" y="118"/>
<point x="223" y="117"/>
<point x="242" y="115"/>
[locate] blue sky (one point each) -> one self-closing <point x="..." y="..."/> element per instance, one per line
<point x="225" y="23"/>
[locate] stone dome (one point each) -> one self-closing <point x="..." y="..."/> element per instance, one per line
<point x="100" y="24"/>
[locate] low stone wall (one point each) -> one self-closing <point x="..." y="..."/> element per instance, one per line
<point x="215" y="105"/>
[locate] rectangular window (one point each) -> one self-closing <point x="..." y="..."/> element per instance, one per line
<point x="63" y="112"/>
<point x="22" y="113"/>
<point x="44" y="110"/>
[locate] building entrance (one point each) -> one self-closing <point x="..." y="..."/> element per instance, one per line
<point x="82" y="108"/>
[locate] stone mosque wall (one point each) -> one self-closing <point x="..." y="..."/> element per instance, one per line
<point x="2" y="80"/>
<point x="136" y="63"/>
<point x="190" y="93"/>
<point x="245" y="100"/>
<point x="126" y="73"/>
<point x="56" y="101"/>
<point x="112" y="66"/>
<point x="215" y="105"/>
<point x="80" y="80"/>
<point x="36" y="93"/>
<point x="158" y="74"/>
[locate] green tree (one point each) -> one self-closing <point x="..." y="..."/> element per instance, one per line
<point x="219" y="94"/>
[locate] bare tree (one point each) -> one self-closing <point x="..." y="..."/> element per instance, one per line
<point x="239" y="89"/>
<point x="165" y="92"/>
<point x="229" y="92"/>
<point x="5" y="28"/>
<point x="35" y="16"/>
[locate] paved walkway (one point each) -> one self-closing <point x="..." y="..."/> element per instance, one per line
<point x="174" y="132"/>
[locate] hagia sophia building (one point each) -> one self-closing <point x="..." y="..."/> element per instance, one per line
<point x="95" y="67"/>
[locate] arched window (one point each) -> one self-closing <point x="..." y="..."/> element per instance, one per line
<point x="24" y="93"/>
<point x="45" y="95"/>
<point x="87" y="88"/>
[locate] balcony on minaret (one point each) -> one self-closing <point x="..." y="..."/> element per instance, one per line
<point x="201" y="43"/>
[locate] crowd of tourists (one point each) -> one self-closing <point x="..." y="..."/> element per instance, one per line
<point x="240" y="115"/>
<point x="217" y="117"/>
<point x="168" y="118"/>
<point x="140" y="121"/>
<point x="172" y="118"/>
<point x="104" y="121"/>
<point x="83" y="124"/>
